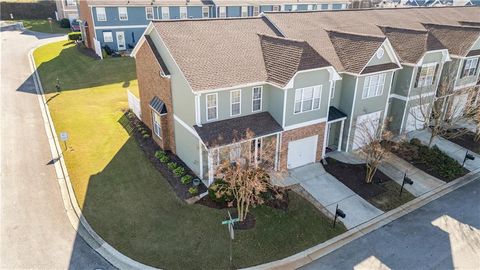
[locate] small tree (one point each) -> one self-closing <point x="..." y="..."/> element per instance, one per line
<point x="247" y="178"/>
<point x="476" y="120"/>
<point x="371" y="135"/>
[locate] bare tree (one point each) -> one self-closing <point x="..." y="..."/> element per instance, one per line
<point x="246" y="176"/>
<point x="476" y="120"/>
<point x="439" y="111"/>
<point x="371" y="133"/>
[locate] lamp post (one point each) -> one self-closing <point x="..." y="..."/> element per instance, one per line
<point x="50" y="21"/>
<point x="338" y="213"/>
<point x="405" y="180"/>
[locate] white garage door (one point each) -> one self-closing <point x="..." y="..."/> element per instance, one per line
<point x="302" y="152"/>
<point x="366" y="124"/>
<point x="416" y="118"/>
<point x="459" y="104"/>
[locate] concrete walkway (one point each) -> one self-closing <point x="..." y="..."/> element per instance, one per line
<point x="329" y="192"/>
<point x="453" y="150"/>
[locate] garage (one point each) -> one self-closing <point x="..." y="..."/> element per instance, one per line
<point x="302" y="152"/>
<point x="416" y="119"/>
<point x="366" y="124"/>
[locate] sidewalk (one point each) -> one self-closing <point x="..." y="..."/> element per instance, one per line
<point x="451" y="149"/>
<point x="329" y="192"/>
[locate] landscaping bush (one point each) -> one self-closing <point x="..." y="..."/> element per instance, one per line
<point x="179" y="171"/>
<point x="212" y="192"/>
<point x="193" y="190"/>
<point x="74" y="36"/>
<point x="164" y="159"/>
<point x="159" y="154"/>
<point x="172" y="166"/>
<point x="186" y="179"/>
<point x="64" y="23"/>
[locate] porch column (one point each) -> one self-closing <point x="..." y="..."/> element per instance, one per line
<point x="277" y="149"/>
<point x="210" y="168"/>
<point x="200" y="158"/>
<point x="341" y="135"/>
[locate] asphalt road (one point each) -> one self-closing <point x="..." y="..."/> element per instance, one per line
<point x="35" y="232"/>
<point x="444" y="234"/>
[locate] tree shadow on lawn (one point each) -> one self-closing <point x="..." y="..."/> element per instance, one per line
<point x="132" y="207"/>
<point x="71" y="67"/>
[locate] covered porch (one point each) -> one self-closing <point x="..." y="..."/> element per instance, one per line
<point x="252" y="139"/>
<point x="335" y="128"/>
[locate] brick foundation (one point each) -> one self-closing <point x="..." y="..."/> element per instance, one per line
<point x="300" y="133"/>
<point x="150" y="84"/>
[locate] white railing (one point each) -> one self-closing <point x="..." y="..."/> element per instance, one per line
<point x="134" y="104"/>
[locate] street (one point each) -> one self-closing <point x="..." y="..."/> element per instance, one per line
<point x="443" y="234"/>
<point x="35" y="232"/>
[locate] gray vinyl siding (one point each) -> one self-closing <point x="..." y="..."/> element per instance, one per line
<point x="403" y="78"/>
<point x="223" y="102"/>
<point x="395" y="114"/>
<point x="307" y="79"/>
<point x="336" y="94"/>
<point x="476" y="46"/>
<point x="187" y="147"/>
<point x="275" y="102"/>
<point x="465" y="80"/>
<point x="346" y="102"/>
<point x="428" y="59"/>
<point x="183" y="98"/>
<point x="383" y="60"/>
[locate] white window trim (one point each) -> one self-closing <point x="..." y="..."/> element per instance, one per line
<point x="104" y="13"/>
<point x="183" y="10"/>
<point x="261" y="98"/>
<point x="222" y="12"/>
<point x="111" y="36"/>
<point x="165" y="11"/>
<point x="275" y="8"/>
<point x="256" y="10"/>
<point x="146" y="13"/>
<point x="294" y="8"/>
<point x="428" y="67"/>
<point x="159" y="125"/>
<point x="206" y="9"/>
<point x="470" y="61"/>
<point x="239" y="102"/>
<point x="370" y="79"/>
<point x="216" y="106"/>
<point x="315" y="88"/>
<point x="126" y="13"/>
<point x="244" y="9"/>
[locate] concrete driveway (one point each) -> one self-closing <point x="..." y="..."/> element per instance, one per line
<point x="329" y="192"/>
<point x="35" y="232"/>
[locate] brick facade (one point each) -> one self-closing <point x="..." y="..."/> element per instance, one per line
<point x="300" y="133"/>
<point x="85" y="14"/>
<point x="150" y="84"/>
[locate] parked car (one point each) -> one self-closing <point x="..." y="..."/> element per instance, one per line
<point x="75" y="26"/>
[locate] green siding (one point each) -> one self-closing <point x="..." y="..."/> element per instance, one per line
<point x="346" y="102"/>
<point x="275" y="102"/>
<point x="383" y="60"/>
<point x="403" y="78"/>
<point x="395" y="114"/>
<point x="335" y="101"/>
<point x="465" y="80"/>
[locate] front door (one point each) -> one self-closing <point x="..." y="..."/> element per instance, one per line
<point x="121" y="40"/>
<point x="302" y="152"/>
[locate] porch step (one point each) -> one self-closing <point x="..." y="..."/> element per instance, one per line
<point x="302" y="192"/>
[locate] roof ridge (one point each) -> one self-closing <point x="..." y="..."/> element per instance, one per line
<point x="355" y="34"/>
<point x="463" y="27"/>
<point x="206" y="19"/>
<point x="382" y="27"/>
<point x="283" y="38"/>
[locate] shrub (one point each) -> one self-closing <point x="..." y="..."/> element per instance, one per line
<point x="212" y="192"/>
<point x="159" y="154"/>
<point x="415" y="142"/>
<point x="74" y="36"/>
<point x="186" y="179"/>
<point x="193" y="190"/>
<point x="172" y="166"/>
<point x="65" y="23"/>
<point x="179" y="171"/>
<point x="164" y="159"/>
<point x="146" y="135"/>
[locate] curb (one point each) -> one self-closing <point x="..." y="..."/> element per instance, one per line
<point x="309" y="255"/>
<point x="74" y="213"/>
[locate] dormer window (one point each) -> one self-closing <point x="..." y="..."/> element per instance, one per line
<point x="470" y="67"/>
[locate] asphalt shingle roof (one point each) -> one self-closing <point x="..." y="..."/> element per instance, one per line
<point x="457" y="39"/>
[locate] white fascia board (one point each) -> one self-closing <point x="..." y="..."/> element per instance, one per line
<point x="333" y="75"/>
<point x="390" y="52"/>
<point x="142" y="39"/>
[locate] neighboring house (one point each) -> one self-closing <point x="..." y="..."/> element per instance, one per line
<point x="119" y="24"/>
<point x="304" y="89"/>
<point x="66" y="9"/>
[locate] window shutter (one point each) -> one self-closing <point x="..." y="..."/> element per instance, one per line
<point x="435" y="73"/>
<point x="462" y="74"/>
<point x="419" y="70"/>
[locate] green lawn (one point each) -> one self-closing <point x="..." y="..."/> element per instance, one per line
<point x="128" y="202"/>
<point x="44" y="26"/>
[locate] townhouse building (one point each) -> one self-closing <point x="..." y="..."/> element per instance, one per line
<point x="302" y="81"/>
<point x="119" y="24"/>
<point x="66" y="9"/>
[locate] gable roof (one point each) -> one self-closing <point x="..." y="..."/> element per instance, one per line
<point x="354" y="51"/>
<point x="410" y="45"/>
<point x="457" y="39"/>
<point x="159" y="59"/>
<point x="285" y="57"/>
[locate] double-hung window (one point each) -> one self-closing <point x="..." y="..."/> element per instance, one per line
<point x="426" y="75"/>
<point x="235" y="102"/>
<point x="276" y="8"/>
<point x="307" y="99"/>
<point x="149" y="13"/>
<point x="122" y="14"/>
<point x="257" y="98"/>
<point x="256" y="10"/>
<point x="222" y="11"/>
<point x="244" y="11"/>
<point x="101" y="15"/>
<point x="157" y="128"/>
<point x="107" y="36"/>
<point x="165" y="13"/>
<point x="183" y="13"/>
<point x="205" y="12"/>
<point x="470" y="67"/>
<point x="373" y="85"/>
<point x="211" y="106"/>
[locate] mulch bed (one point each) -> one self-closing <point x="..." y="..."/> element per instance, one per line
<point x="466" y="140"/>
<point x="383" y="192"/>
<point x="149" y="147"/>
